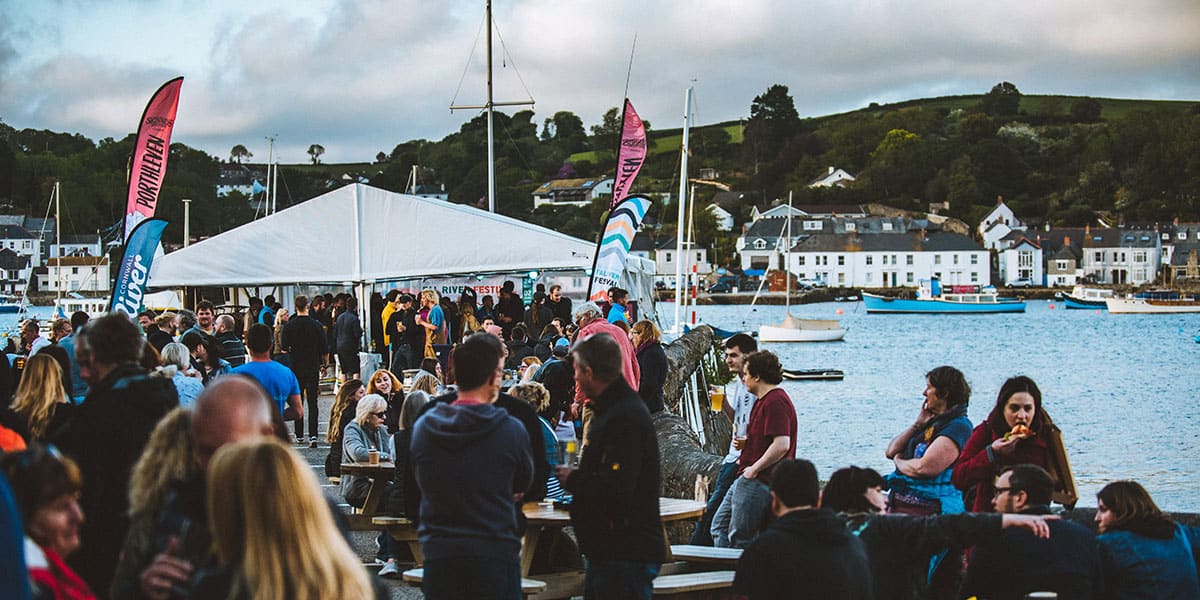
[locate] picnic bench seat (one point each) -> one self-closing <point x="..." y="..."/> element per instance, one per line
<point x="727" y="557"/>
<point x="402" y="530"/>
<point x="529" y="587"/>
<point x="686" y="583"/>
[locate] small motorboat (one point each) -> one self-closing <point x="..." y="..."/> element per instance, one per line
<point x="1086" y="298"/>
<point x="813" y="374"/>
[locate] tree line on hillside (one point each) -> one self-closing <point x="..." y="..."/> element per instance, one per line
<point x="1058" y="159"/>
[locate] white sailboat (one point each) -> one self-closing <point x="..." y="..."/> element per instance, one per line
<point x="794" y="329"/>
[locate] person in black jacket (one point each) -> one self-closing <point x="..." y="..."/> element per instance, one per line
<point x="1068" y="563"/>
<point x="616" y="486"/>
<point x="652" y="361"/>
<point x="806" y="552"/>
<point x="304" y="339"/>
<point x="899" y="546"/>
<point x="107" y="434"/>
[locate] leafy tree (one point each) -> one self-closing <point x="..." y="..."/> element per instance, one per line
<point x="1004" y="99"/>
<point x="381" y="157"/>
<point x="1086" y="110"/>
<point x="773" y="121"/>
<point x="239" y="152"/>
<point x="315" y="151"/>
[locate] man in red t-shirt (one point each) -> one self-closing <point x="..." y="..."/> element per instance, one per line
<point x="770" y="438"/>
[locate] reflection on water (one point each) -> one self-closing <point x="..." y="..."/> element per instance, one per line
<point x="1123" y="388"/>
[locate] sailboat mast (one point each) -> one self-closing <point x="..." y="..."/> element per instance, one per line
<point x="58" y="237"/>
<point x="683" y="156"/>
<point x="787" y="259"/>
<point x="491" y="126"/>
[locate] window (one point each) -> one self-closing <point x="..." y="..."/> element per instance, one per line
<point x="974" y="259"/>
<point x="841" y="279"/>
<point x="884" y="261"/>
<point x="801" y="260"/>
<point x="1025" y="259"/>
<point x="908" y="259"/>
<point x="1099" y="257"/>
<point x="851" y="227"/>
<point x="812" y="225"/>
<point x="908" y="277"/>
<point x="760" y="244"/>
<point x="841" y="261"/>
<point x="870" y="259"/>
<point x="887" y="226"/>
<point x="868" y="277"/>
<point x="1166" y="236"/>
<point x="1122" y="257"/>
<point x="668" y="257"/>
<point x="1139" y="257"/>
<point x="1181" y="235"/>
<point x="974" y="277"/>
<point x="698" y="259"/>
<point x="74" y="270"/>
<point x="956" y="259"/>
<point x="937" y="259"/>
<point x="1061" y="265"/>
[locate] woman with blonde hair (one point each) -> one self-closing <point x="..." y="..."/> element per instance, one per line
<point x="166" y="463"/>
<point x="384" y="383"/>
<point x="427" y="379"/>
<point x="652" y="363"/>
<point x="41" y="401"/>
<point x="344" y="405"/>
<point x="367" y="433"/>
<point x="177" y="366"/>
<point x="265" y="553"/>
<point x="538" y="397"/>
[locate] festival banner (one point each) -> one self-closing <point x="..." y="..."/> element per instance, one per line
<point x="631" y="154"/>
<point x="614" y="244"/>
<point x="150" y="155"/>
<point x="134" y="275"/>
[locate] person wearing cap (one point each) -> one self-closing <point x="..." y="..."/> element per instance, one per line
<point x="394" y="330"/>
<point x="591" y="321"/>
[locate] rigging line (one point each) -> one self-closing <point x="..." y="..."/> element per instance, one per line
<point x="508" y="135"/>
<point x="466" y="67"/>
<point x="508" y="57"/>
<point x="629" y="71"/>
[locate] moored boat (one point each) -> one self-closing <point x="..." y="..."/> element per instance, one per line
<point x="931" y="300"/>
<point x="1086" y="298"/>
<point x="813" y="374"/>
<point x="1153" y="303"/>
<point x="9" y="305"/>
<point x="802" y="330"/>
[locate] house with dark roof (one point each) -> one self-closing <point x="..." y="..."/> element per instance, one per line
<point x="1021" y="258"/>
<point x="1121" y="256"/>
<point x="1185" y="263"/>
<point x="1175" y="234"/>
<point x="642" y="245"/>
<point x="14" y="272"/>
<point x="76" y="245"/>
<point x="75" y="274"/>
<point x="22" y="242"/>
<point x="856" y="259"/>
<point x="762" y="241"/>
<point x="1062" y="256"/>
<point x="667" y="257"/>
<point x="572" y="192"/>
<point x="236" y="177"/>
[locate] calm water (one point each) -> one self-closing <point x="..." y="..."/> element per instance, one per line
<point x="1123" y="388"/>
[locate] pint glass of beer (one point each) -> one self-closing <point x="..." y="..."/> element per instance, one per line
<point x="716" y="397"/>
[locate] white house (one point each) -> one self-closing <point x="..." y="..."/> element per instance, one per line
<point x="1119" y="256"/>
<point x="875" y="260"/>
<point x="77" y="245"/>
<point x="22" y="242"/>
<point x="997" y="224"/>
<point x="238" y="178"/>
<point x="14" y="272"/>
<point x="1021" y="260"/>
<point x="667" y="256"/>
<point x="572" y="192"/>
<point x="724" y="218"/>
<point x="834" y="177"/>
<point x="75" y="274"/>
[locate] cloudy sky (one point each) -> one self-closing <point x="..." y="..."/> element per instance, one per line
<point x="360" y="76"/>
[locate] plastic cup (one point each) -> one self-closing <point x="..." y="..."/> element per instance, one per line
<point x="373" y="457"/>
<point x="566" y="453"/>
<point x="716" y="397"/>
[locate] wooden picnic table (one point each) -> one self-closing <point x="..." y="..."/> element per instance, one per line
<point x="380" y="474"/>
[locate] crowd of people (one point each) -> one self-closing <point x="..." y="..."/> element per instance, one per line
<point x="153" y="459"/>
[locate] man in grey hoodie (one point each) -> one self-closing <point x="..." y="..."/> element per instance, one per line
<point x="472" y="464"/>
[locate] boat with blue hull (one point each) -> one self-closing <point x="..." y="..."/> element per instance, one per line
<point x="1087" y="298"/>
<point x="931" y="300"/>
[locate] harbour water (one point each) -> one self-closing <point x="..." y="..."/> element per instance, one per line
<point x="1124" y="389"/>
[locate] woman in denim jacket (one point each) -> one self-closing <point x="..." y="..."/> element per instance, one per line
<point x="1145" y="554"/>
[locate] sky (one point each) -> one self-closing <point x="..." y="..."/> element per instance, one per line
<point x="360" y="76"/>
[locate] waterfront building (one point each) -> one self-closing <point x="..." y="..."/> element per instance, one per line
<point x="77" y="245"/>
<point x="881" y="259"/>
<point x="1021" y="259"/>
<point x="760" y="246"/>
<point x="1121" y="256"/>
<point x="75" y="274"/>
<point x="666" y="257"/>
<point x="572" y="192"/>
<point x="14" y="272"/>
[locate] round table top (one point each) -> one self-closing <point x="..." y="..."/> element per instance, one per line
<point x="361" y="468"/>
<point x="669" y="509"/>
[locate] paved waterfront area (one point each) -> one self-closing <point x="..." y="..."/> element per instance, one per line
<point x="363" y="541"/>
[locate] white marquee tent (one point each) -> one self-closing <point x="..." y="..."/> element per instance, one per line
<point x="364" y="235"/>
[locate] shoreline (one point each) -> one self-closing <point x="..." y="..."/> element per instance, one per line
<point x="827" y="295"/>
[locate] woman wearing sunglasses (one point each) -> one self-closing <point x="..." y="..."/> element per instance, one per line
<point x="366" y="433"/>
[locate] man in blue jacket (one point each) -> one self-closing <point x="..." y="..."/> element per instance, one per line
<point x="472" y="463"/>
